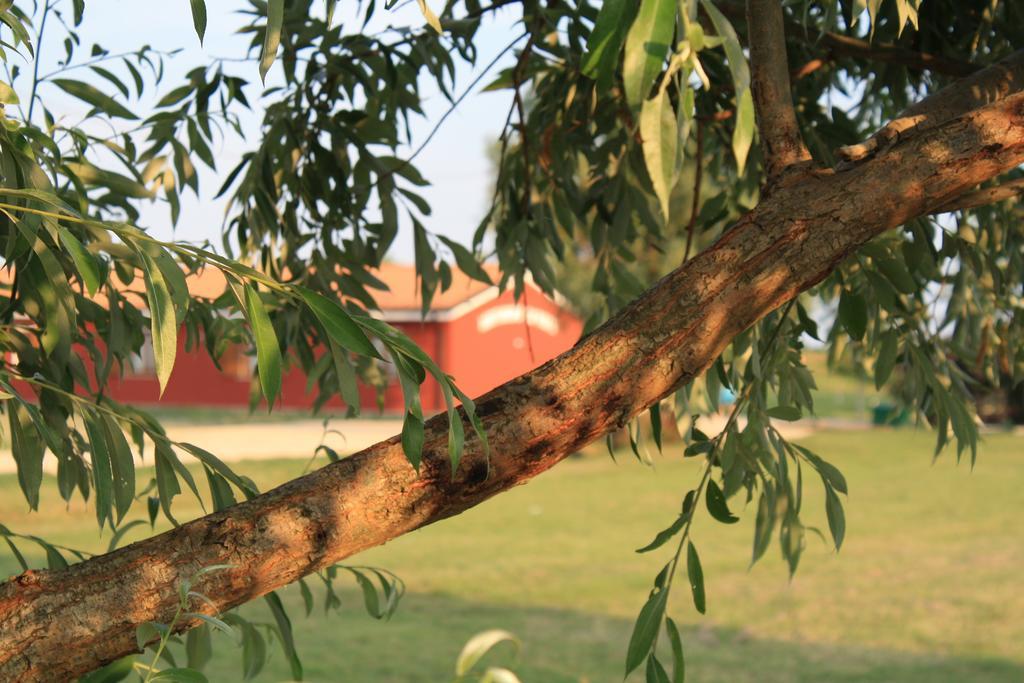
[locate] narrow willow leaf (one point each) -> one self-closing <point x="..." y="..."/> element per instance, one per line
<point x="743" y="134"/>
<point x="787" y="413"/>
<point x="346" y="374"/>
<point x="429" y="15"/>
<point x="655" y="671"/>
<point x="836" y="516"/>
<point x="656" y="424"/>
<point x="645" y="630"/>
<point x="103" y="478"/>
<point x="716" y="504"/>
<point x="647" y="47"/>
<point x="479" y="645"/>
<point x="696" y="575"/>
<point x="676" y="643"/>
<point x="199" y="18"/>
<point x="605" y="41"/>
<point x="763" y="525"/>
<point x="166" y="483"/>
<point x="163" y="320"/>
<point x="27" y="450"/>
<point x="91" y="95"/>
<point x="412" y="439"/>
<point x="272" y="38"/>
<point x="733" y="49"/>
<point x="268" y="352"/>
<point x="664" y="535"/>
<point x="284" y="631"/>
<point x="660" y="146"/>
<point x="853" y="313"/>
<point x="338" y="323"/>
<point x="198" y="647"/>
<point x="888" y="354"/>
<point x="84" y="262"/>
<point x="466" y="261"/>
<point x="122" y="466"/>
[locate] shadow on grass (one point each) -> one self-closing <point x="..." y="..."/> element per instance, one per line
<point x="423" y="639"/>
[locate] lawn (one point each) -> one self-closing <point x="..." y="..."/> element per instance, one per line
<point x="927" y="587"/>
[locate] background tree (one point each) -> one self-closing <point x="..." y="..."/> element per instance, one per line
<point x="631" y="131"/>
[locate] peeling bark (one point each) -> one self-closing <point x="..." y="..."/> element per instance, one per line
<point x="56" y="625"/>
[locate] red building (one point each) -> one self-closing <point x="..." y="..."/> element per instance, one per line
<point x="477" y="334"/>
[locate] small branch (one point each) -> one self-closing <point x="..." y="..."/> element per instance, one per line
<point x="839" y="45"/>
<point x="989" y="85"/>
<point x="983" y="197"/>
<point x="39" y="56"/>
<point x="524" y="142"/>
<point x="776" y="120"/>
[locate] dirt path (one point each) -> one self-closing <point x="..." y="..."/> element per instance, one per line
<point x="263" y="441"/>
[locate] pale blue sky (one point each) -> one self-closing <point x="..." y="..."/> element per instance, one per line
<point x="456" y="160"/>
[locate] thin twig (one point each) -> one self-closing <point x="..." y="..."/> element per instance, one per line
<point x="39" y="55"/>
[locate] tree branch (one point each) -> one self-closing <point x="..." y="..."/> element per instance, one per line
<point x="57" y="625"/>
<point x="776" y="120"/>
<point x="989" y="85"/>
<point x="839" y="45"/>
<point x="984" y="197"/>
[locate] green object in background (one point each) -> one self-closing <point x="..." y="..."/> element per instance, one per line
<point x="886" y="414"/>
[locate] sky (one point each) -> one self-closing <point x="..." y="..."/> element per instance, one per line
<point x="456" y="160"/>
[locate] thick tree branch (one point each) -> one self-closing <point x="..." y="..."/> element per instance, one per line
<point x="984" y="196"/>
<point x="781" y="141"/>
<point x="57" y="625"/>
<point x="989" y="85"/>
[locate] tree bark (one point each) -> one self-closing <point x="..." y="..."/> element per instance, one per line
<point x="56" y="625"/>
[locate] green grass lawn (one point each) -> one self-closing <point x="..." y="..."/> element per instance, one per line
<point x="927" y="588"/>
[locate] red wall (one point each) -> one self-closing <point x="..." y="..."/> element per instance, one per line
<point x="478" y="361"/>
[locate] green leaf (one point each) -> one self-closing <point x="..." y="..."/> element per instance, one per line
<point x="466" y="261"/>
<point x="272" y="38"/>
<point x="27" y="450"/>
<point x="787" y="413"/>
<point x="647" y="47"/>
<point x="284" y="630"/>
<point x="268" y="352"/>
<point x="660" y="140"/>
<point x="199" y="18"/>
<point x="412" y="438"/>
<point x="103" y="478"/>
<point x="479" y="645"/>
<point x="85" y="262"/>
<point x="91" y="95"/>
<point x="645" y="630"/>
<point x="717" y="506"/>
<point x="664" y="535"/>
<point x="118" y="670"/>
<point x="743" y="134"/>
<point x="853" y="314"/>
<point x="733" y="49"/>
<point x="655" y="671"/>
<point x="198" y="647"/>
<point x="338" y="323"/>
<point x="676" y="643"/>
<point x="696" y="575"/>
<point x="888" y="354"/>
<point x="122" y="466"/>
<point x="655" y="413"/>
<point x="836" y="516"/>
<point x="763" y="525"/>
<point x="115" y="182"/>
<point x="605" y="41"/>
<point x="163" y="319"/>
